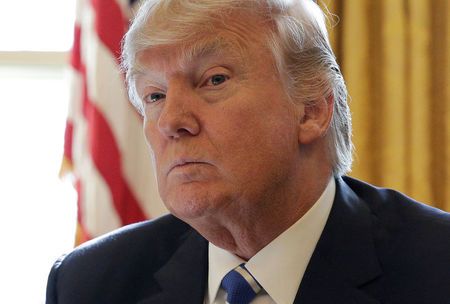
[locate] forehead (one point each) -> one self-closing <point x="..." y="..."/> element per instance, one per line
<point x="235" y="35"/>
<point x="181" y="56"/>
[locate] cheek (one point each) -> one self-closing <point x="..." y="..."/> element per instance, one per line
<point x="148" y="135"/>
<point x="260" y="121"/>
<point x="154" y="142"/>
<point x="234" y="127"/>
<point x="150" y="129"/>
<point x="245" y="136"/>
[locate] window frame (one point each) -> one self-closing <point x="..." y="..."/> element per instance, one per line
<point x="34" y="58"/>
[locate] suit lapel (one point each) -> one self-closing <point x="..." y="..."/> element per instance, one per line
<point x="183" y="278"/>
<point x="344" y="258"/>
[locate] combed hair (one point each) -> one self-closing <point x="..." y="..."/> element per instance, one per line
<point x="296" y="34"/>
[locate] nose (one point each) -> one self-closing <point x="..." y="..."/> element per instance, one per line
<point x="178" y="117"/>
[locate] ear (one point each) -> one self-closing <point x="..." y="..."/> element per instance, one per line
<point x="315" y="120"/>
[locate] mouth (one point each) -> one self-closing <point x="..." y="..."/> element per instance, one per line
<point x="180" y="163"/>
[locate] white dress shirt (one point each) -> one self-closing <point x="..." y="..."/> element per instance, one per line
<point x="279" y="267"/>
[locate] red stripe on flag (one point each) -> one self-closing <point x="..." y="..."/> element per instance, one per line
<point x="107" y="24"/>
<point x="75" y="58"/>
<point x="79" y="200"/>
<point x="68" y="140"/>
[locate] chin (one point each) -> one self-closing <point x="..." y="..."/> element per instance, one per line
<point x="192" y="207"/>
<point x="189" y="209"/>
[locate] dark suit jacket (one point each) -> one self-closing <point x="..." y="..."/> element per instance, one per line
<point x="378" y="246"/>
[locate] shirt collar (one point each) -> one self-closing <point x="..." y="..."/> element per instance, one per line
<point x="287" y="256"/>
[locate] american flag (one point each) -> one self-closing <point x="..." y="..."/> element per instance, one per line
<point x="104" y="150"/>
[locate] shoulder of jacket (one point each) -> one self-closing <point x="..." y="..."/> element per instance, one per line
<point x="162" y="233"/>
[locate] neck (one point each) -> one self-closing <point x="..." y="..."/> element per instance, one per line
<point x="245" y="231"/>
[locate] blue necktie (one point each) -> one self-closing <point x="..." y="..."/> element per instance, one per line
<point x="240" y="286"/>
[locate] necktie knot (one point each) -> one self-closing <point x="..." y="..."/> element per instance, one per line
<point x="240" y="285"/>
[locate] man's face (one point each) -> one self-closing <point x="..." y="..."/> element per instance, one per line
<point x="223" y="134"/>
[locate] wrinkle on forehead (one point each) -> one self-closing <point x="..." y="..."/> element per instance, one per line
<point x="230" y="38"/>
<point x="180" y="57"/>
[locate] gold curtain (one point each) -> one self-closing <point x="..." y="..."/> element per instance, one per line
<point x="395" y="57"/>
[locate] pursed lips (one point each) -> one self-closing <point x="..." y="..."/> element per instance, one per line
<point x="181" y="162"/>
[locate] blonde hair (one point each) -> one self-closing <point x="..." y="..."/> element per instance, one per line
<point x="296" y="35"/>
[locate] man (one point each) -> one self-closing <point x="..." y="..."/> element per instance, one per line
<point x="246" y="118"/>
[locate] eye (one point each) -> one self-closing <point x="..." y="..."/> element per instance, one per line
<point x="216" y="80"/>
<point x="154" y="97"/>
